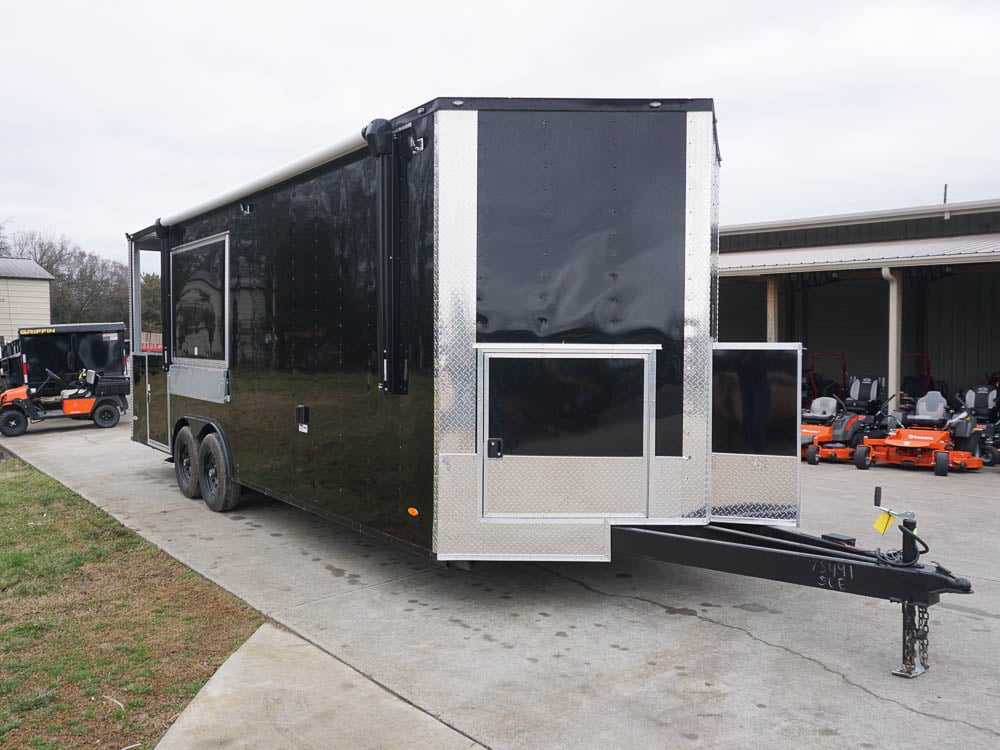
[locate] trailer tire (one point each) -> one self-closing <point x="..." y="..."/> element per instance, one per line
<point x="863" y="457"/>
<point x="13" y="422"/>
<point x="219" y="489"/>
<point x="106" y="415"/>
<point x="812" y="455"/>
<point x="187" y="470"/>
<point x="941" y="464"/>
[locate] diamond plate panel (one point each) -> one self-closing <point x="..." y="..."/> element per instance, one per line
<point x="669" y="489"/>
<point x="700" y="239"/>
<point x="755" y="487"/>
<point x="455" y="205"/>
<point x="565" y="485"/>
<point x="460" y="533"/>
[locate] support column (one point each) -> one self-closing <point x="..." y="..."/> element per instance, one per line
<point x="895" y="330"/>
<point x="772" y="308"/>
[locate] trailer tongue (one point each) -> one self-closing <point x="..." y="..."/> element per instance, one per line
<point x="831" y="562"/>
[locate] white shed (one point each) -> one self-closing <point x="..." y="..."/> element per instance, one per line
<point x="24" y="295"/>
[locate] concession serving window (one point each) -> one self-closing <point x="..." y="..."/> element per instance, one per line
<point x="199" y="302"/>
<point x="566" y="430"/>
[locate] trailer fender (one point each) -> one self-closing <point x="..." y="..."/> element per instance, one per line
<point x="201" y="426"/>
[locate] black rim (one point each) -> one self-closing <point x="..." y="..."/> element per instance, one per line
<point x="12" y="422"/>
<point x="105" y="416"/>
<point x="184" y="464"/>
<point x="211" y="475"/>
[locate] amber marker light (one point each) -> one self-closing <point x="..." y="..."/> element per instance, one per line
<point x="413" y="512"/>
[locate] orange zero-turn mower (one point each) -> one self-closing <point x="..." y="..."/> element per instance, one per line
<point x="929" y="436"/>
<point x="832" y="429"/>
<point x="89" y="396"/>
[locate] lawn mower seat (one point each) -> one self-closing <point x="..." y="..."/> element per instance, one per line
<point x="822" y="410"/>
<point x="981" y="401"/>
<point x="863" y="397"/>
<point x="931" y="411"/>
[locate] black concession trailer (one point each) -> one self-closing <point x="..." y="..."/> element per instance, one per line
<point x="485" y="328"/>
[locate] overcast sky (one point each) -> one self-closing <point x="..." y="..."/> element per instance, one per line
<point x="115" y="113"/>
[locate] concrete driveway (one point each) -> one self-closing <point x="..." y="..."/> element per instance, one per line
<point x="632" y="654"/>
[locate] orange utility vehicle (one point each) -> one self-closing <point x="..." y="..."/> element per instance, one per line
<point x="832" y="429"/>
<point x="74" y="371"/>
<point x="931" y="436"/>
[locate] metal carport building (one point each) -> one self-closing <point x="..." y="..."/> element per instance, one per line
<point x="873" y="286"/>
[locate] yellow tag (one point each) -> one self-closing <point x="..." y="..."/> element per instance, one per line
<point x="883" y="522"/>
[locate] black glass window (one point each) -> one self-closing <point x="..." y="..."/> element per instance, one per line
<point x="567" y="406"/>
<point x="755" y="401"/>
<point x="199" y="284"/>
<point x="580" y="233"/>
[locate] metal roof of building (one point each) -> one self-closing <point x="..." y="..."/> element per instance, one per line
<point x="944" y="210"/>
<point x="978" y="248"/>
<point x="22" y="268"/>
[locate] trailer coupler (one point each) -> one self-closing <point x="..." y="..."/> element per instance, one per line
<point x="832" y="562"/>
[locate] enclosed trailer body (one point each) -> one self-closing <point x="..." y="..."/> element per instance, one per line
<point x="485" y="328"/>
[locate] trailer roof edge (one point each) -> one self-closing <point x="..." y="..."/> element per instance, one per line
<point x="352" y="143"/>
<point x="320" y="156"/>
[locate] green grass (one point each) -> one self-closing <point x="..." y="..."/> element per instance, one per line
<point x="103" y="638"/>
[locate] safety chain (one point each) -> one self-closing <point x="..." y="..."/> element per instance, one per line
<point x="923" y="628"/>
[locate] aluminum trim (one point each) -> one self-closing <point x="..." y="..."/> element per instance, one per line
<point x="455" y="205"/>
<point x="698" y="247"/>
<point x="455" y="362"/>
<point x="202" y="383"/>
<point x="787" y="345"/>
<point x="535" y="348"/>
<point x="207" y="363"/>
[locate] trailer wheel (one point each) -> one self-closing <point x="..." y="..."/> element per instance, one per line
<point x="13" y="422"/>
<point x="812" y="455"/>
<point x="941" y="464"/>
<point x="863" y="457"/>
<point x="106" y="415"/>
<point x="218" y="488"/>
<point x="186" y="466"/>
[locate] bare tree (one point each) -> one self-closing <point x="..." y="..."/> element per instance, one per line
<point x="87" y="287"/>
<point x="50" y="252"/>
